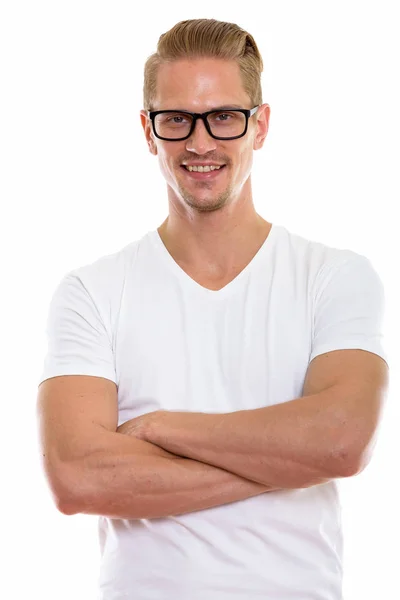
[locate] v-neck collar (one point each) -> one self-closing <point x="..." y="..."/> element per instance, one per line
<point x="229" y="287"/>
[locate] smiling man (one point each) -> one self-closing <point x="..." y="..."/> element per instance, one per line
<point x="204" y="126"/>
<point x="206" y="385"/>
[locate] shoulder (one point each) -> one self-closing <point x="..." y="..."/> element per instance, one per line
<point x="314" y="258"/>
<point x="98" y="285"/>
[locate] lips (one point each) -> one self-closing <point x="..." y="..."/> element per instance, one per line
<point x="199" y="175"/>
<point x="190" y="166"/>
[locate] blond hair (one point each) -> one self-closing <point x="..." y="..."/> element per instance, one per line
<point x="206" y="38"/>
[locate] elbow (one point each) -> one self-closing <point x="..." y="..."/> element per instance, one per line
<point x="79" y="493"/>
<point x="64" y="489"/>
<point x="354" y="456"/>
<point x="68" y="501"/>
<point x="348" y="463"/>
<point x="66" y="507"/>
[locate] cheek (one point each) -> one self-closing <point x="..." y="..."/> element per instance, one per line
<point x="167" y="166"/>
<point x="163" y="160"/>
<point x="245" y="160"/>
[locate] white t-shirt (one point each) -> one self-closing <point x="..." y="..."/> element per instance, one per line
<point x="137" y="318"/>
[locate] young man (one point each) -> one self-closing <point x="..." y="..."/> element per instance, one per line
<point x="206" y="385"/>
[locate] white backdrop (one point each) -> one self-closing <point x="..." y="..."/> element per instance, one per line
<point x="77" y="182"/>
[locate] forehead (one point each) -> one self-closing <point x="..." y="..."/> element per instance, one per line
<point x="200" y="84"/>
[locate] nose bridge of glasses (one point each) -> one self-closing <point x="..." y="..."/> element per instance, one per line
<point x="200" y="121"/>
<point x="200" y="134"/>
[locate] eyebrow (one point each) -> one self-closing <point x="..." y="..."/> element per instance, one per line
<point x="224" y="107"/>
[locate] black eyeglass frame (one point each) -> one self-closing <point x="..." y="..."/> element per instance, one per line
<point x="203" y="116"/>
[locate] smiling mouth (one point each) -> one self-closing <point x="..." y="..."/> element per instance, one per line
<point x="203" y="172"/>
<point x="202" y="168"/>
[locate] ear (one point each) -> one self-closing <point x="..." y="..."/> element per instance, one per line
<point x="146" y="124"/>
<point x="263" y="115"/>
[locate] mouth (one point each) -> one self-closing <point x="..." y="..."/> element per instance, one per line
<point x="210" y="173"/>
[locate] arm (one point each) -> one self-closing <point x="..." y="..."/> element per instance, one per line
<point x="327" y="433"/>
<point x="93" y="469"/>
<point x="133" y="479"/>
<point x="278" y="444"/>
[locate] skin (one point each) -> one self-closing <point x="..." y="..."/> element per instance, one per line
<point x="212" y="228"/>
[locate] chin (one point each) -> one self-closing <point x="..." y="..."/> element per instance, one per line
<point x="207" y="203"/>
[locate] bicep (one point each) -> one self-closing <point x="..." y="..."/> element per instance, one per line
<point x="357" y="381"/>
<point x="359" y="371"/>
<point x="76" y="414"/>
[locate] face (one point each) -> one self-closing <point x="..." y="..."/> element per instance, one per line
<point x="198" y="86"/>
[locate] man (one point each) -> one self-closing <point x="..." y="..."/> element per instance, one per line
<point x="205" y="386"/>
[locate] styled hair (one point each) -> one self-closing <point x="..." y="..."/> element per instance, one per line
<point x="206" y="38"/>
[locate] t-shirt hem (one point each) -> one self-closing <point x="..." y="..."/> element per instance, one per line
<point x="77" y="371"/>
<point x="349" y="346"/>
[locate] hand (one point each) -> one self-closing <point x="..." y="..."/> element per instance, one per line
<point x="139" y="427"/>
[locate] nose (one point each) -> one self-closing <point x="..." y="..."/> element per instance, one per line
<point x="200" y="141"/>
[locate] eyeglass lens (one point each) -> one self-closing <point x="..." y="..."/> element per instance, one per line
<point x="176" y="125"/>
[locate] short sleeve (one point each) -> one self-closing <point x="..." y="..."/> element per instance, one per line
<point x="349" y="305"/>
<point x="78" y="342"/>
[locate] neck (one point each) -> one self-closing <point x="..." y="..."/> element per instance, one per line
<point x="216" y="251"/>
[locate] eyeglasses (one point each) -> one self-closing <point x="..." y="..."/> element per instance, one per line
<point x="178" y="125"/>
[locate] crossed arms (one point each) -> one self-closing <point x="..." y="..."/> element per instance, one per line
<point x="192" y="461"/>
<point x="326" y="433"/>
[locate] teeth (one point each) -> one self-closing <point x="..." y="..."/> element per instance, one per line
<point x="202" y="169"/>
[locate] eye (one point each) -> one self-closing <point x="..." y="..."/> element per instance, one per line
<point x="175" y="118"/>
<point x="223" y="116"/>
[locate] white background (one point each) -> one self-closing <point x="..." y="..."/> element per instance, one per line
<point x="77" y="182"/>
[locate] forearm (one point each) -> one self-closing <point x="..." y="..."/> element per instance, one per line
<point x="296" y="444"/>
<point x="134" y="479"/>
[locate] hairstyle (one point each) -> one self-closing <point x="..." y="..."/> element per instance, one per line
<point x="206" y="38"/>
